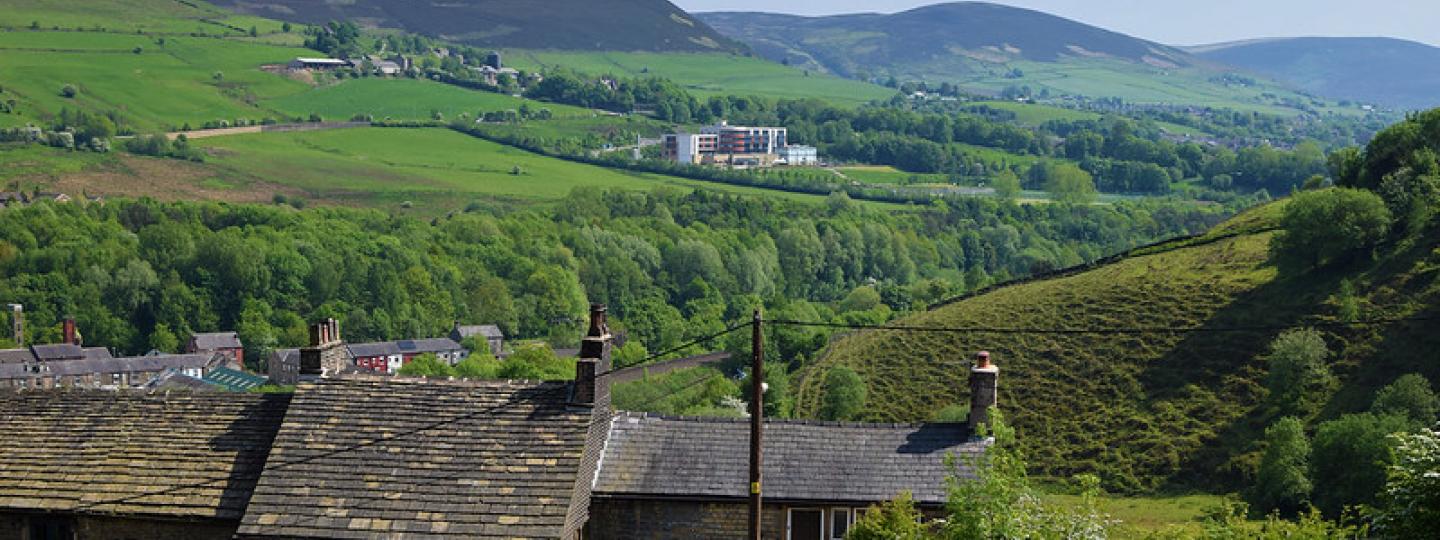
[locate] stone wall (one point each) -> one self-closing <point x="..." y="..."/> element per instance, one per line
<point x="616" y="519"/>
<point x="16" y="526"/>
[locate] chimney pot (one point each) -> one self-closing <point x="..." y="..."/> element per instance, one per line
<point x="594" y="360"/>
<point x="984" y="393"/>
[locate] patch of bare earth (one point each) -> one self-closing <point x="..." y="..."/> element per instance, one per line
<point x="163" y="179"/>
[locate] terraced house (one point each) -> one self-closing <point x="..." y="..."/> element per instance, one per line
<point x="365" y="456"/>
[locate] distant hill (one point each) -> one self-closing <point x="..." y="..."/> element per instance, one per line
<point x="590" y="25"/>
<point x="1383" y="71"/>
<point x="858" y="43"/>
<point x="988" y="48"/>
<point x="1149" y="409"/>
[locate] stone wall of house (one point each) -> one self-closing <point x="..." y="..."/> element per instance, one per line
<point x="16" y="526"/>
<point x="614" y="519"/>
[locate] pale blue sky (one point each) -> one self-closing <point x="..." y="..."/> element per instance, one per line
<point x="1175" y="22"/>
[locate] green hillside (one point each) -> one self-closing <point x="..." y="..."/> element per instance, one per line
<point x="1151" y="408"/>
<point x="709" y="73"/>
<point x="990" y="48"/>
<point x="618" y="25"/>
<point x="1372" y="70"/>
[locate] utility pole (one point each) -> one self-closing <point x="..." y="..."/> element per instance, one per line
<point x="757" y="415"/>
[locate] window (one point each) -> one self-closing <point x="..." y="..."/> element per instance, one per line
<point x="50" y="528"/>
<point x="839" y="523"/>
<point x="805" y="524"/>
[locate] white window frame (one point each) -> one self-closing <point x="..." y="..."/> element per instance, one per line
<point x="790" y="519"/>
<point x="830" y="524"/>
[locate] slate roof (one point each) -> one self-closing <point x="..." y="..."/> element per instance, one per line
<point x="57" y="351"/>
<point x="216" y="340"/>
<point x="177" y="455"/>
<point x="108" y="365"/>
<point x="367" y="456"/>
<point x="15" y="356"/>
<point x="490" y="331"/>
<point x="404" y="346"/>
<point x="657" y="456"/>
<point x="172" y="379"/>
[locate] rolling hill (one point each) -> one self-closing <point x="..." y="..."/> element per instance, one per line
<point x="1383" y="71"/>
<point x="618" y="25"/>
<point x="1150" y="408"/>
<point x="986" y="48"/>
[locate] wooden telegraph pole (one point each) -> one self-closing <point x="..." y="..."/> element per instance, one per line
<point x="757" y="414"/>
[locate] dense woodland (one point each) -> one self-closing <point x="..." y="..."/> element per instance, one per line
<point x="673" y="265"/>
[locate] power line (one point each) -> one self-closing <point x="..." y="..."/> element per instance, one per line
<point x="1103" y="331"/>
<point x="679" y="348"/>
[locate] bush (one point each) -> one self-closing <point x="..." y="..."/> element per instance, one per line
<point x="1412" y="489"/>
<point x="1283" y="482"/>
<point x="479" y="365"/>
<point x="69" y="91"/>
<point x="845" y="394"/>
<point x="1349" y="458"/>
<point x="427" y="365"/>
<point x="1321" y="227"/>
<point x="1409" y="396"/>
<point x="1299" y="379"/>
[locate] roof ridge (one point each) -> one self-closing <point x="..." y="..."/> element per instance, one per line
<point x="789" y="421"/>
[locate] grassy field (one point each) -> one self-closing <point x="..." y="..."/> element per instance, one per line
<point x="1130" y="82"/>
<point x="1142" y="517"/>
<point x="405" y="99"/>
<point x="709" y="74"/>
<point x="1035" y="114"/>
<point x="162" y="86"/>
<point x="131" y="16"/>
<point x="379" y="166"/>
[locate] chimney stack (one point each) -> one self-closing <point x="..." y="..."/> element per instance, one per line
<point x="325" y="355"/>
<point x="67" y="332"/>
<point x="17" y="322"/>
<point x="983" y="394"/>
<point x="594" y="361"/>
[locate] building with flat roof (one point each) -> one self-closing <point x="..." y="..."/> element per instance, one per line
<point x="726" y="144"/>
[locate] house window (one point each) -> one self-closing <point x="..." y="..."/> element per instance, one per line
<point x="805" y="524"/>
<point x="52" y="528"/>
<point x="839" y="523"/>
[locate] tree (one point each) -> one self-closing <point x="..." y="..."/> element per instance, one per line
<point x="1299" y="378"/>
<point x="479" y="365"/>
<point x="1409" y="396"/>
<point x="896" y="519"/>
<point x="1349" y="458"/>
<point x="285" y="27"/>
<point x="845" y="394"/>
<point x="1320" y="227"/>
<point x="1070" y="184"/>
<point x="427" y="365"/>
<point x="1411" y="501"/>
<point x="69" y="91"/>
<point x="1006" y="184"/>
<point x="164" y="340"/>
<point x="1283" y="482"/>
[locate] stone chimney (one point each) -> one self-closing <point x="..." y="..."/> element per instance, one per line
<point x="17" y="323"/>
<point x="68" y="334"/>
<point x="590" y="389"/>
<point x="326" y="353"/>
<point x="983" y="394"/>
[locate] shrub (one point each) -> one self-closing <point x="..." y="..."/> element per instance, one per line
<point x="427" y="365"/>
<point x="844" y="394"/>
<point x="1349" y="458"/>
<point x="1299" y="378"/>
<point x="1409" y="396"/>
<point x="1320" y="227"/>
<point x="69" y="91"/>
<point x="1411" y="500"/>
<point x="1283" y="482"/>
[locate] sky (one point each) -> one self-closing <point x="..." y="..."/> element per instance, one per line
<point x="1175" y="22"/>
